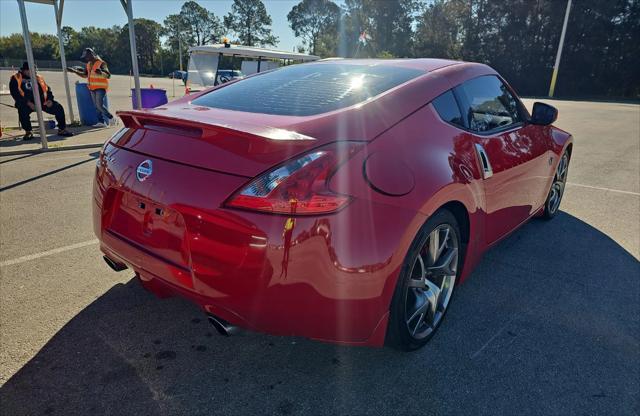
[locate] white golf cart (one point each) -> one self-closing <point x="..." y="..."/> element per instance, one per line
<point x="211" y="65"/>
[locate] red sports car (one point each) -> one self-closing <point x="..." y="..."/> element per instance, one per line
<point x="339" y="200"/>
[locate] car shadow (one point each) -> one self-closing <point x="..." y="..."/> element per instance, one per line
<point x="547" y="324"/>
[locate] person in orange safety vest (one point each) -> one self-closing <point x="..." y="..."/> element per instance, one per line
<point x="97" y="74"/>
<point x="21" y="89"/>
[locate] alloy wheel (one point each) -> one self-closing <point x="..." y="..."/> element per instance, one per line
<point x="431" y="282"/>
<point x="559" y="182"/>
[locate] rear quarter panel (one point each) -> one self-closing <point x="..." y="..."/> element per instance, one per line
<point x="440" y="162"/>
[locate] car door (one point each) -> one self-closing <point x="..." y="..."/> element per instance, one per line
<point x="513" y="159"/>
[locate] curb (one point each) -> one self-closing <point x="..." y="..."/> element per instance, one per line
<point x="51" y="149"/>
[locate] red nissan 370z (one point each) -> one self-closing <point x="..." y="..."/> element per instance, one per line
<point x="340" y="200"/>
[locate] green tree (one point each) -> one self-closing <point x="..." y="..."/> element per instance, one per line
<point x="177" y="37"/>
<point x="388" y="24"/>
<point x="104" y="41"/>
<point x="440" y="31"/>
<point x="45" y="46"/>
<point x="175" y="31"/>
<point x="147" y="45"/>
<point x="201" y="26"/>
<point x="249" y="20"/>
<point x="602" y="40"/>
<point x="521" y="41"/>
<point x="354" y="21"/>
<point x="71" y="41"/>
<point x="314" y="21"/>
<point x="193" y="26"/>
<point x="391" y="23"/>
<point x="12" y="47"/>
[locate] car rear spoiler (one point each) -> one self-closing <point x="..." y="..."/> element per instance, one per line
<point x="192" y="123"/>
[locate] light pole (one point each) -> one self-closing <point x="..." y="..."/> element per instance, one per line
<point x="554" y="76"/>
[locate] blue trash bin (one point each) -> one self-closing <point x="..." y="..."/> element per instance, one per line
<point x="86" y="108"/>
<point x="151" y="97"/>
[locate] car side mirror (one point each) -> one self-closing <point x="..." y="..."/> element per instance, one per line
<point x="543" y="114"/>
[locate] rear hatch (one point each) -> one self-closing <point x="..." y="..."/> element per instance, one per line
<point x="165" y="177"/>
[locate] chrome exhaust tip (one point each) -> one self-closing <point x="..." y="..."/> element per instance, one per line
<point x="116" y="266"/>
<point x="223" y="327"/>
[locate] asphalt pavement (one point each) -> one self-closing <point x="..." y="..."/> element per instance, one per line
<point x="549" y="323"/>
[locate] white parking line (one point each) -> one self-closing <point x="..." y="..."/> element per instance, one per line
<point x="604" y="189"/>
<point x="48" y="253"/>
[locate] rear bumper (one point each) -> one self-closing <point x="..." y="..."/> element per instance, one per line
<point x="330" y="278"/>
<point x="306" y="295"/>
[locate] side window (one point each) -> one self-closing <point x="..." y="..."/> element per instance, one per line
<point x="447" y="107"/>
<point x="491" y="105"/>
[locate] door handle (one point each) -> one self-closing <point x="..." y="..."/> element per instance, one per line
<point x="487" y="172"/>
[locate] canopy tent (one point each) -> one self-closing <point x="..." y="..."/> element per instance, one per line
<point x="204" y="60"/>
<point x="58" y="7"/>
<point x="252" y="52"/>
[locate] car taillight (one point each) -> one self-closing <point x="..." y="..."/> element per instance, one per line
<point x="299" y="186"/>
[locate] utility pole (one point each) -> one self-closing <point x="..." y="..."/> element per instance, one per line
<point x="554" y="76"/>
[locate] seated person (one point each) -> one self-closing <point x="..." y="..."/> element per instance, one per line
<point x="22" y="93"/>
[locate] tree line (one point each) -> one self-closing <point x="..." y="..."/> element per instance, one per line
<point x="519" y="38"/>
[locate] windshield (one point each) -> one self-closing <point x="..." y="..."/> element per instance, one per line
<point x="303" y="90"/>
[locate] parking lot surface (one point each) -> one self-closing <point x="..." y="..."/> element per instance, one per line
<point x="549" y="323"/>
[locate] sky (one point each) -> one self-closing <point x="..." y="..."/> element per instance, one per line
<point x="106" y="13"/>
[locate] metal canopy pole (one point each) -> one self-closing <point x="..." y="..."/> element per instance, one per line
<point x="35" y="87"/>
<point x="215" y="80"/>
<point x="134" y="53"/>
<point x="180" y="44"/>
<point x="58" y="11"/>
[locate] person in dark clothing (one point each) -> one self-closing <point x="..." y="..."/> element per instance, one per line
<point x="22" y="93"/>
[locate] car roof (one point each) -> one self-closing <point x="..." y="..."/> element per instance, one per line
<point x="424" y="64"/>
<point x="363" y="120"/>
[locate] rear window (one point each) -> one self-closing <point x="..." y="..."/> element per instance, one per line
<point x="304" y="90"/>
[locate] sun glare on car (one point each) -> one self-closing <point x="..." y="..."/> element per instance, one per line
<point x="357" y="82"/>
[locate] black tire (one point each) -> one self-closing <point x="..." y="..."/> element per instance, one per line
<point x="398" y="334"/>
<point x="551" y="206"/>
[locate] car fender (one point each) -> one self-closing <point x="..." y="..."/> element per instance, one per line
<point x="560" y="141"/>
